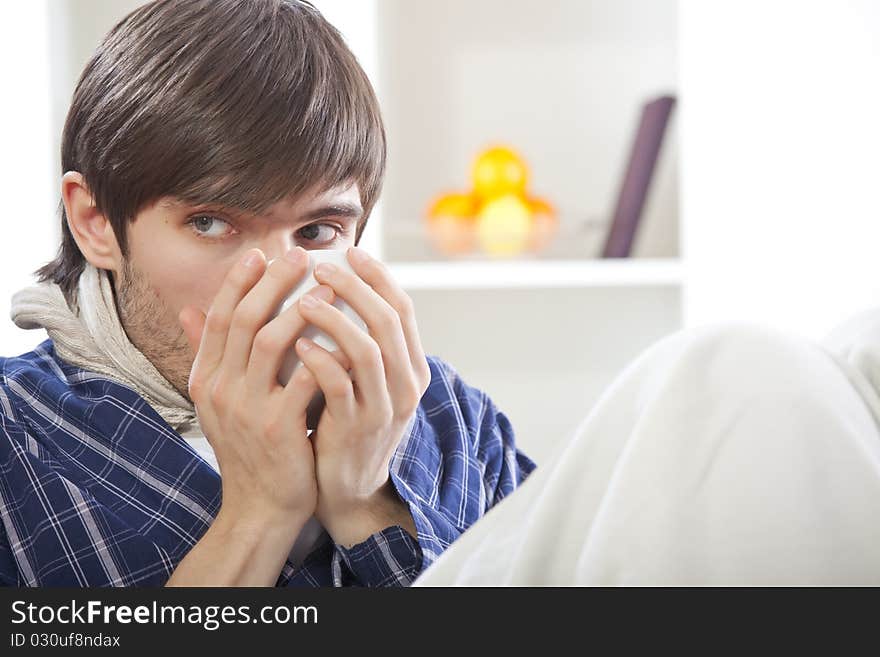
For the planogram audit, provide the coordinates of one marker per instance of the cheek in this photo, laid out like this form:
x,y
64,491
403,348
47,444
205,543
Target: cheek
x,y
180,271
191,284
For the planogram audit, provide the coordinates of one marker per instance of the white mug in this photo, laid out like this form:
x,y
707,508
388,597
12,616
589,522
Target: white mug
x,y
291,360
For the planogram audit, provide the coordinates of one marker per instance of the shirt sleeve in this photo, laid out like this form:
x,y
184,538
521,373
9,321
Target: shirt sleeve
x,y
390,557
8,569
9,575
506,466
460,460
54,533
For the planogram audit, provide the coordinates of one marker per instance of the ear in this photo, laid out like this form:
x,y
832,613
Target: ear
x,y
91,229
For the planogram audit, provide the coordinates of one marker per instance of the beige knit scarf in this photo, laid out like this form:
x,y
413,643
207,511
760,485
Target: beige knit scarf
x,y
93,338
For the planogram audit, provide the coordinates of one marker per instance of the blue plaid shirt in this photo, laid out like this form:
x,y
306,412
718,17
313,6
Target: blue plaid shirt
x,y
96,489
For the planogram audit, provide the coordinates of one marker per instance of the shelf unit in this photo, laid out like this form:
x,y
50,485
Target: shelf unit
x,y
542,334
537,274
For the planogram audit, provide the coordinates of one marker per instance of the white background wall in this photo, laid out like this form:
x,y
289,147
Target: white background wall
x,y
45,44
781,160
28,235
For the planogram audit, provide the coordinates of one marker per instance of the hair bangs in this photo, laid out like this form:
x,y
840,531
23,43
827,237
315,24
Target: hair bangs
x,y
295,115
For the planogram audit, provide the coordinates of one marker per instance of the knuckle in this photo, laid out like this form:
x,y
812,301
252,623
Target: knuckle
x,y
273,428
196,389
338,388
409,402
414,397
424,378
291,320
239,279
216,321
267,342
302,375
341,358
217,393
370,355
240,416
244,318
391,320
405,306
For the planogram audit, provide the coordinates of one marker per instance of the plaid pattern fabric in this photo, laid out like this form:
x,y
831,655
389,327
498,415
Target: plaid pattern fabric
x,y
97,490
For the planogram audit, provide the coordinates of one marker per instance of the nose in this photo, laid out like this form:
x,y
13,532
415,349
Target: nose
x,y
277,245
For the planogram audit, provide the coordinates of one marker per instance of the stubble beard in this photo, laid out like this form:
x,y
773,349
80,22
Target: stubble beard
x,y
153,328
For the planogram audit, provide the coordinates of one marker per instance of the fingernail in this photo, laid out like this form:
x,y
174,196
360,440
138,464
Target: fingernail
x,y
304,344
325,269
358,255
251,259
308,301
322,292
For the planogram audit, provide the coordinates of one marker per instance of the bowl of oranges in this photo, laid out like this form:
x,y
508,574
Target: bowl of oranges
x,y
497,216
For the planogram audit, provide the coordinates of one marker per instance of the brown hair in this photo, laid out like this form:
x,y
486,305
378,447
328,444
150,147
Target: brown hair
x,y
237,103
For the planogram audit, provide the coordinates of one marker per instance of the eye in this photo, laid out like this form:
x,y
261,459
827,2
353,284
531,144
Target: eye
x,y
204,225
312,233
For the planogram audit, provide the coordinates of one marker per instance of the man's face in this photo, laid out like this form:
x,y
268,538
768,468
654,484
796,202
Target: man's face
x,y
180,254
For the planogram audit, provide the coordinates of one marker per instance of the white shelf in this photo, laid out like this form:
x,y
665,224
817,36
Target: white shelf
x,y
537,273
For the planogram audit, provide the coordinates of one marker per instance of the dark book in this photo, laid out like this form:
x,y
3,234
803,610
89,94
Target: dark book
x,y
637,179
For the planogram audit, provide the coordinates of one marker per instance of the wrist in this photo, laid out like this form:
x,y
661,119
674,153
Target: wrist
x,y
239,550
263,526
356,521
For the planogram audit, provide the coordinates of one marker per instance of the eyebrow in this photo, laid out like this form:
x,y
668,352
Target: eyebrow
x,y
343,210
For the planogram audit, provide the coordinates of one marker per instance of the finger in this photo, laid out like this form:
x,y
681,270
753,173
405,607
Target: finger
x,y
384,326
377,276
192,321
274,341
364,352
331,376
296,396
240,279
258,305
343,360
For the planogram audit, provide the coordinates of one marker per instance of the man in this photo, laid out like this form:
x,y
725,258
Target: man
x,y
207,143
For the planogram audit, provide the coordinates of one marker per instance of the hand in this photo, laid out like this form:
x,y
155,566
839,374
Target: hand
x,y
256,427
365,414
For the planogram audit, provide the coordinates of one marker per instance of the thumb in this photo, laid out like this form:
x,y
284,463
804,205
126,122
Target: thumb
x,y
192,320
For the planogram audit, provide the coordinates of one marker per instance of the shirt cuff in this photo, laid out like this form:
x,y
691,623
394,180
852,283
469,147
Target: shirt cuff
x,y
390,557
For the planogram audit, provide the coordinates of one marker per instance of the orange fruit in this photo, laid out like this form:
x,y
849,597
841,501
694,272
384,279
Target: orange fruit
x,y
462,206
544,229
541,206
504,225
498,171
451,235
